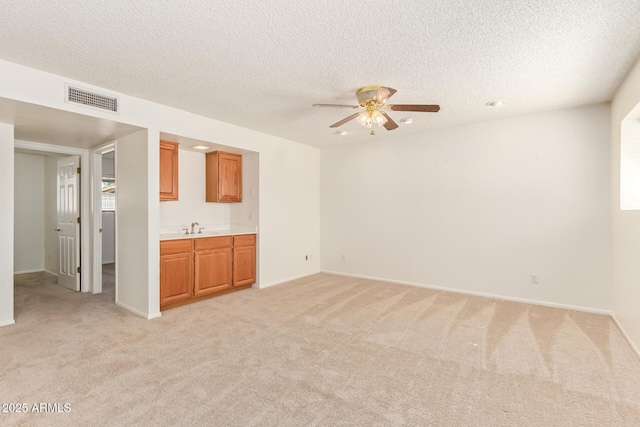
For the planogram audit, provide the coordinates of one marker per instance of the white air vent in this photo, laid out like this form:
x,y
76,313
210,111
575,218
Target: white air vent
x,y
91,99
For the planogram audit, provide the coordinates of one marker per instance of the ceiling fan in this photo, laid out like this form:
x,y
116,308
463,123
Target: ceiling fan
x,y
372,103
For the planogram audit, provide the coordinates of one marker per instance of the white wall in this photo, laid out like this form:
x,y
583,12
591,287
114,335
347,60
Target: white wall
x,y
246,213
191,205
29,216
6,225
51,256
625,224
108,165
108,237
289,213
478,208
137,233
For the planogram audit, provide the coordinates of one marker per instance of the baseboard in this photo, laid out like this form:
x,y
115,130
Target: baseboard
x,y
479,294
8,323
279,282
42,270
29,271
625,335
138,312
154,315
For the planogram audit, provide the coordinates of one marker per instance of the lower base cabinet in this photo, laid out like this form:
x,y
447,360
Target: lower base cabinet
x,y
176,271
213,263
244,260
195,269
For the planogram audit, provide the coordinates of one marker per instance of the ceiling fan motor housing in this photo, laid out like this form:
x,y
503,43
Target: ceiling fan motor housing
x,y
367,93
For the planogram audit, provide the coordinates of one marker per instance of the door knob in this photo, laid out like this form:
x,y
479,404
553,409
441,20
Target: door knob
x,y
58,229
100,230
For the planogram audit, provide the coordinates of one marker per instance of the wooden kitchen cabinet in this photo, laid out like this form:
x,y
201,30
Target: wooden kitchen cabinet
x,y
168,170
193,269
244,260
224,177
212,265
176,271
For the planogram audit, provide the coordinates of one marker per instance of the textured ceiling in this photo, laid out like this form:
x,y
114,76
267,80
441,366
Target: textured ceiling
x,y
262,64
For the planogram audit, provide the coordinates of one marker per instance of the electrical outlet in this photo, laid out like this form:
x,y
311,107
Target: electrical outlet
x,y
306,257
534,279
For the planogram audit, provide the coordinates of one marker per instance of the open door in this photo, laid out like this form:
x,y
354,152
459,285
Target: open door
x,y
69,222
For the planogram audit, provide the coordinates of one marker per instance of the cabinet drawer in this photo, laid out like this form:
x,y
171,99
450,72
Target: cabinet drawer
x,y
244,240
212,242
168,247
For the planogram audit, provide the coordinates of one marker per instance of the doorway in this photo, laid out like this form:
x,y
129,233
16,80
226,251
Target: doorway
x,y
37,170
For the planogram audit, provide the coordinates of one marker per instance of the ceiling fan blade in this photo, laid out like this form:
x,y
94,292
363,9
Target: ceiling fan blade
x,y
335,105
343,121
383,94
420,108
390,125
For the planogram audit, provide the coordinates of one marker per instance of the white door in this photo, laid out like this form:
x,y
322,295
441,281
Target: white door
x,y
68,222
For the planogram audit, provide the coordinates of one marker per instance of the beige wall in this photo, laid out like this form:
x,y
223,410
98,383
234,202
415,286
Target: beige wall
x,y
478,208
6,225
29,219
625,224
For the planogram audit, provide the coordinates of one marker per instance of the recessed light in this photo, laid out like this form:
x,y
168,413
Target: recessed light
x,y
200,147
495,103
341,132
406,120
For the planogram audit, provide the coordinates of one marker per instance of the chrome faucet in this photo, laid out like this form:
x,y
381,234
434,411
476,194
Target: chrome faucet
x,y
193,224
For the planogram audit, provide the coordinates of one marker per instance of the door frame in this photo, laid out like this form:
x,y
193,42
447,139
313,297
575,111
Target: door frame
x,y
86,263
96,223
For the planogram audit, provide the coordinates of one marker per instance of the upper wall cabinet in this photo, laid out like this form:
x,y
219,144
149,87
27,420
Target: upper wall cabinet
x,y
168,170
224,177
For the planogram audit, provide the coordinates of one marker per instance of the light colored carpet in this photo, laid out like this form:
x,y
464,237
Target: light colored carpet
x,y
324,350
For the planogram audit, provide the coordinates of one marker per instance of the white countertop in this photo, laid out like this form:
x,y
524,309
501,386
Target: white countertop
x,y
234,231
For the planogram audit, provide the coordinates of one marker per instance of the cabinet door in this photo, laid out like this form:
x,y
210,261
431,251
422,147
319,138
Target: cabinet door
x,y
212,271
175,277
244,265
230,177
224,177
168,171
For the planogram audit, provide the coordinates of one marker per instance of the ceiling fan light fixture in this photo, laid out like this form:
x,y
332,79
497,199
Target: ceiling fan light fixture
x,y
378,118
364,119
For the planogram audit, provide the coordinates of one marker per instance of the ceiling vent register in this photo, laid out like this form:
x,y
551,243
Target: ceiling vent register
x,y
92,99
